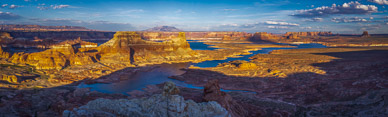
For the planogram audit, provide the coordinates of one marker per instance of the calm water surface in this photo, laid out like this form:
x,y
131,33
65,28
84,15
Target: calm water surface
x,y
161,72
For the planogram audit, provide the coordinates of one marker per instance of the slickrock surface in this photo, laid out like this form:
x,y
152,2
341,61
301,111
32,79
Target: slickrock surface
x,y
50,102
167,104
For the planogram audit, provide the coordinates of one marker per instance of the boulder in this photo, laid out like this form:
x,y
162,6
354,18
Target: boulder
x,y
212,92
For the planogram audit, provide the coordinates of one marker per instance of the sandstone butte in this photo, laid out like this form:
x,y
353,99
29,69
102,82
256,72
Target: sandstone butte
x,y
124,48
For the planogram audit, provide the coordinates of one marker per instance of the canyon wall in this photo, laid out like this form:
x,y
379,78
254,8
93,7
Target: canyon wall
x,y
58,57
125,48
264,36
309,33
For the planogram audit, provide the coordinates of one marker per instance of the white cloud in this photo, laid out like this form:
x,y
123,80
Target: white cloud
x,y
278,27
349,20
314,20
381,2
59,6
4,5
14,6
346,8
280,23
44,7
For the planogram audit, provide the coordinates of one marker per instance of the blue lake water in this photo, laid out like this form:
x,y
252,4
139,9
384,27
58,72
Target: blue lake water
x,y
160,73
214,63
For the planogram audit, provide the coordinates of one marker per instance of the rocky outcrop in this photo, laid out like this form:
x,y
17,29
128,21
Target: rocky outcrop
x,y
293,36
3,54
212,92
5,35
167,105
263,36
9,78
130,47
365,34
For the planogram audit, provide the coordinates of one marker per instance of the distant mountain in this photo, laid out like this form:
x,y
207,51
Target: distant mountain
x,y
164,29
22,27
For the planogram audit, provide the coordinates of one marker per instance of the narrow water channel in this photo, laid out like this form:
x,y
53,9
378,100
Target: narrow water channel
x,y
161,72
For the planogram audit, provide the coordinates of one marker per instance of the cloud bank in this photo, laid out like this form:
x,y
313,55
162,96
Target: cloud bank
x,y
381,2
346,8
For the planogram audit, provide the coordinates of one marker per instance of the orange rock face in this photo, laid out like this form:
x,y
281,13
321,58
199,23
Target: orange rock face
x,y
308,33
130,47
3,54
58,57
365,34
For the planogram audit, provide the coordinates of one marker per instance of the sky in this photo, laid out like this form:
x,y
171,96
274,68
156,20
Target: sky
x,y
275,16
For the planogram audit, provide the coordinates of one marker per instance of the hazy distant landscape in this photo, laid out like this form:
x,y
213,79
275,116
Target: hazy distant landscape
x,y
251,58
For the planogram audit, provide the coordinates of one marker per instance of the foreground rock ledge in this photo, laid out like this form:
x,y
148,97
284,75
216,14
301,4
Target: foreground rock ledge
x,y
159,105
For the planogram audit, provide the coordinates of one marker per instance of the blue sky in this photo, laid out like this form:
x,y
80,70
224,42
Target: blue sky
x,y
276,16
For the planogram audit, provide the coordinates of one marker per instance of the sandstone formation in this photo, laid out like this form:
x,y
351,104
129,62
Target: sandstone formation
x,y
263,36
365,34
3,54
170,105
5,35
309,33
58,57
129,47
125,48
293,36
9,78
212,92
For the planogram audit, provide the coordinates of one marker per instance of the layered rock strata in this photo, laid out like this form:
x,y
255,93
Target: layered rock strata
x,y
58,57
130,47
3,54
